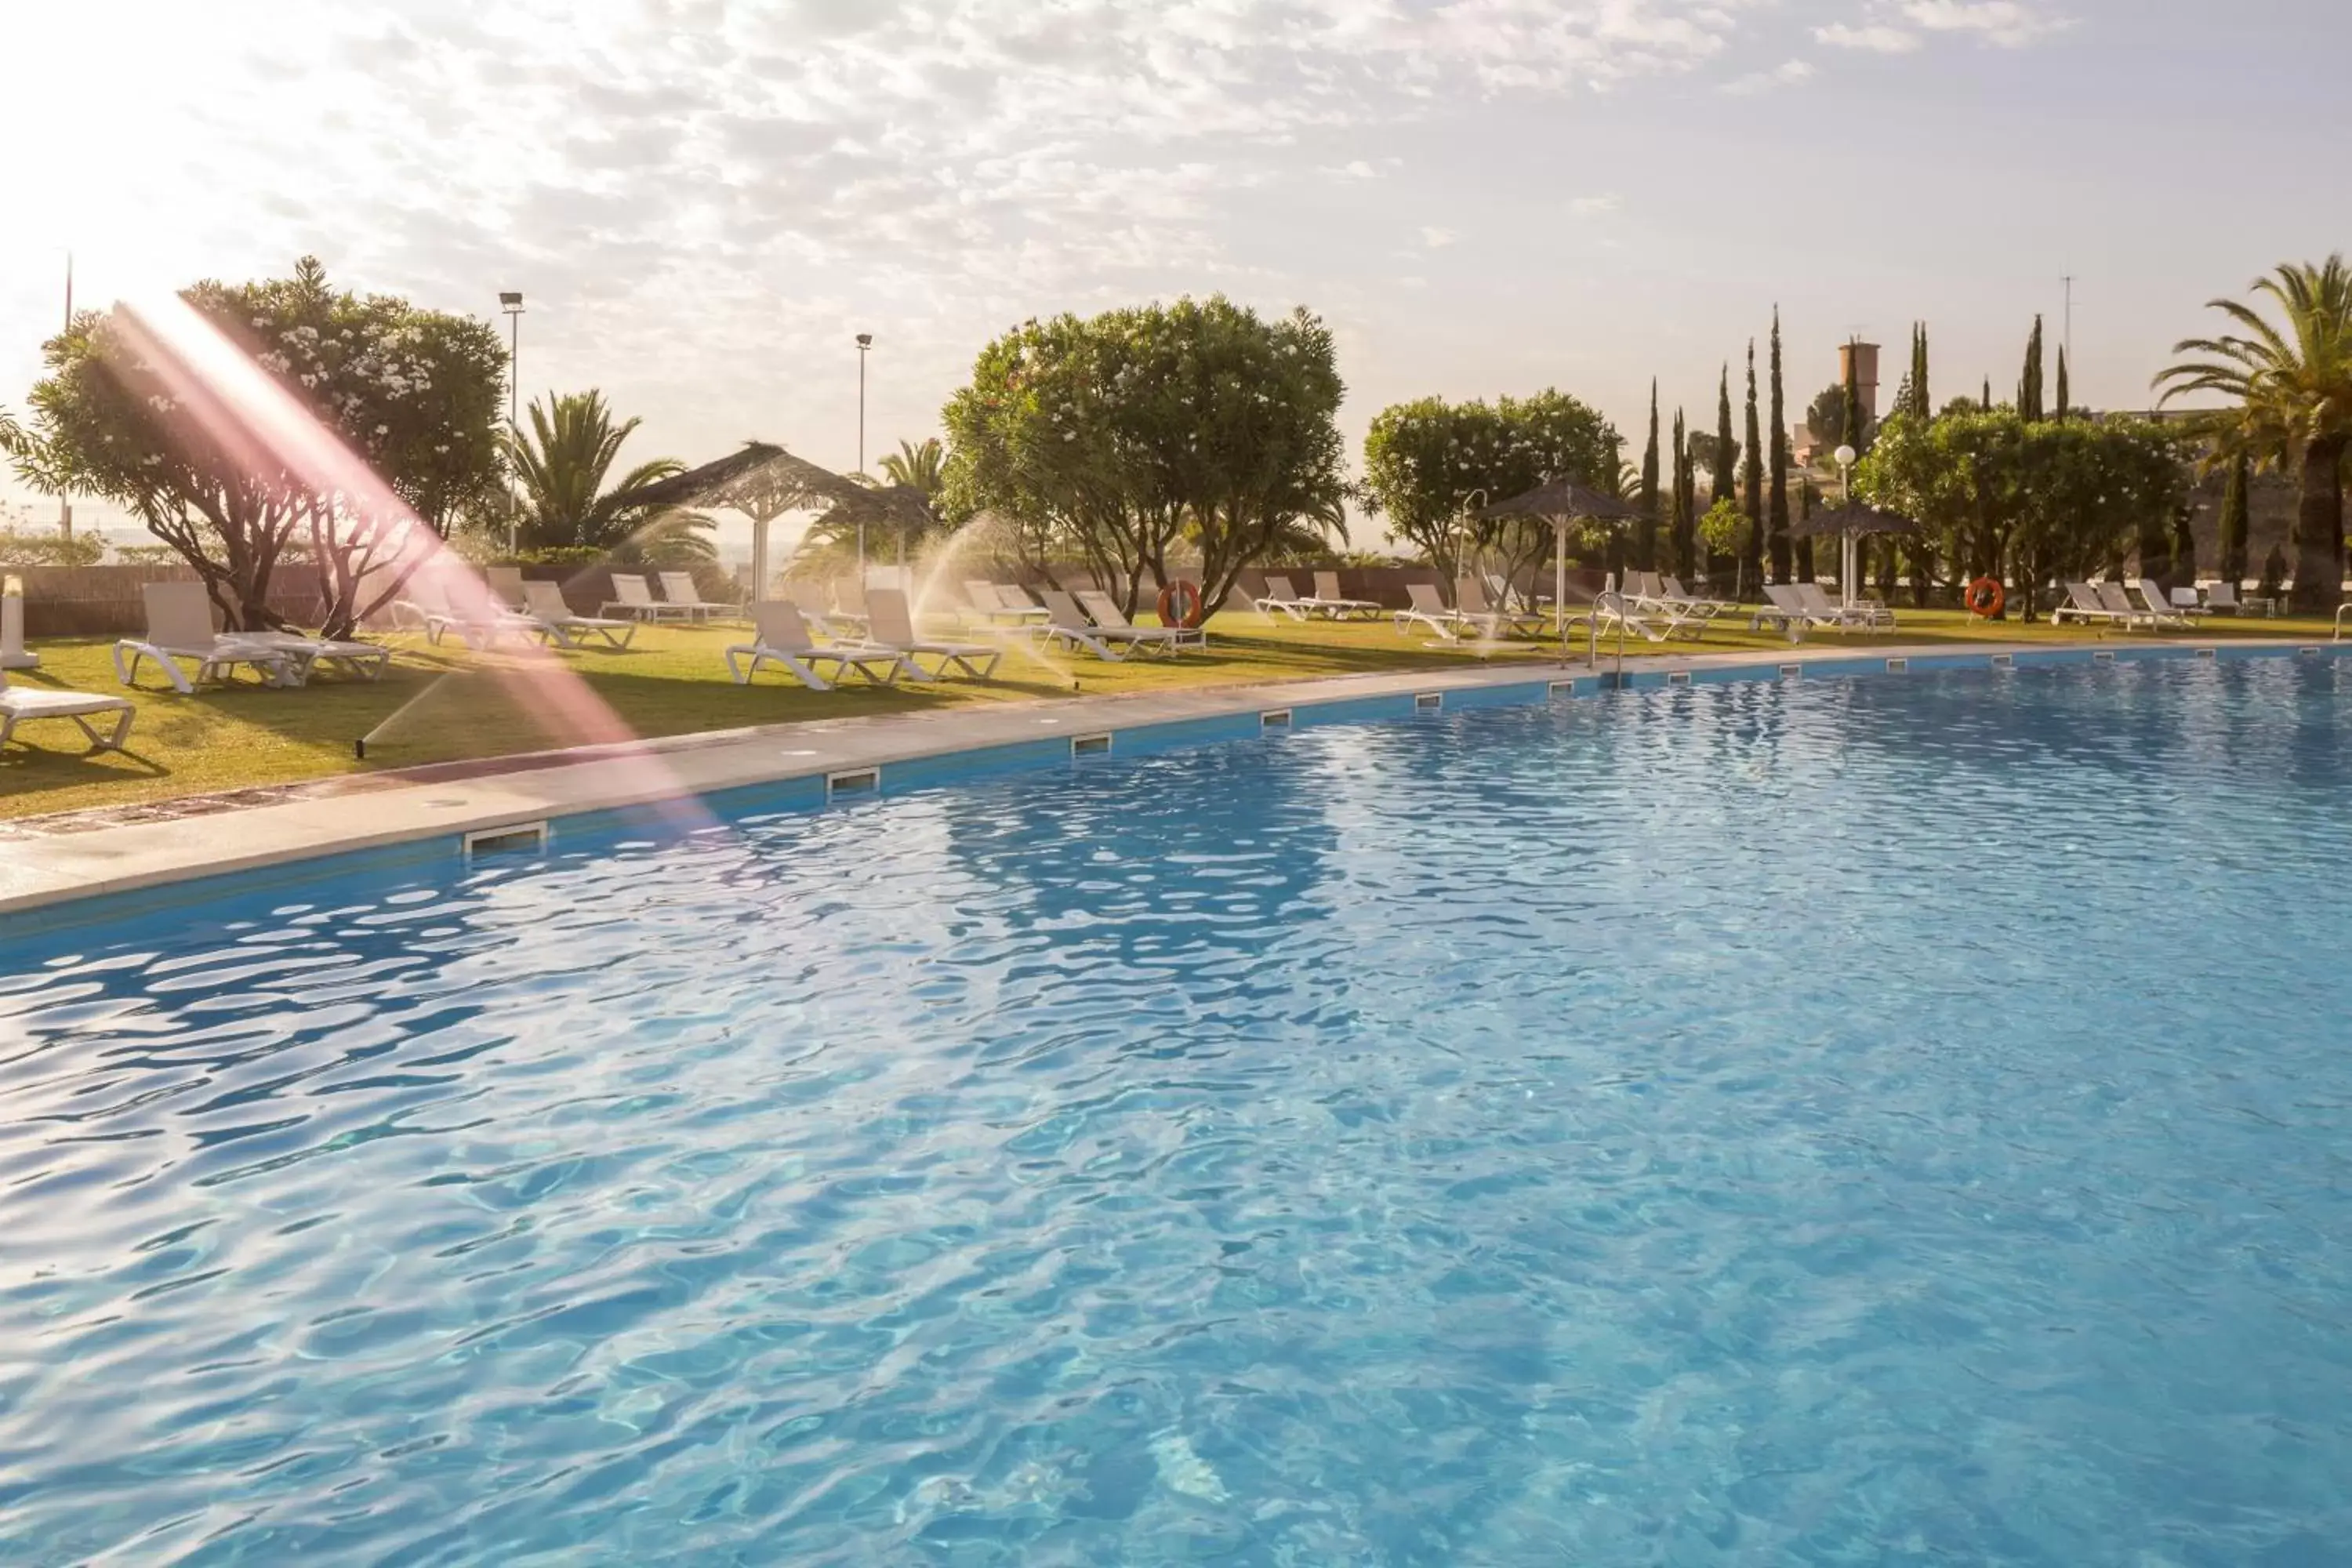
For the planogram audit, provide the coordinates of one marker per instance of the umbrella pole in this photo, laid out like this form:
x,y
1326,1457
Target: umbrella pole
x,y
1560,585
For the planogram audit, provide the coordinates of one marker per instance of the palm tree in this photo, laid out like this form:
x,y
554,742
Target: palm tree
x,y
922,468
562,464
2293,385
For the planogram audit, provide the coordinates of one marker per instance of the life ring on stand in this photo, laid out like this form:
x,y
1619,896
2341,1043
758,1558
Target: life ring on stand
x,y
1181,604
1985,598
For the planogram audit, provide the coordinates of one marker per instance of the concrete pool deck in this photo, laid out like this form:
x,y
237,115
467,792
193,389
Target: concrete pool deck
x,y
362,812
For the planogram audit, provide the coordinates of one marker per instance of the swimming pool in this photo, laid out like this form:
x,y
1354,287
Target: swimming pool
x,y
1825,1123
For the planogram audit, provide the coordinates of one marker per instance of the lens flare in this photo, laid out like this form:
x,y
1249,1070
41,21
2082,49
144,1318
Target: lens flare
x,y
218,387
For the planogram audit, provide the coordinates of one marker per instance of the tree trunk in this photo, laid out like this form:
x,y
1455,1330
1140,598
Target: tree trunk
x,y
2320,530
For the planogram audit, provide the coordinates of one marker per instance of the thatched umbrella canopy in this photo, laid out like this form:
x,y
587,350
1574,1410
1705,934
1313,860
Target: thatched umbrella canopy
x,y
762,480
1848,521
1854,520
1560,503
765,482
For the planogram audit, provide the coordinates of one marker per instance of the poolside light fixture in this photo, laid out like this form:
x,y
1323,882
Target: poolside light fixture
x,y
1849,557
865,344
511,302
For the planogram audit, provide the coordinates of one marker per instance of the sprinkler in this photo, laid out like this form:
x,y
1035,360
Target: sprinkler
x,y
359,748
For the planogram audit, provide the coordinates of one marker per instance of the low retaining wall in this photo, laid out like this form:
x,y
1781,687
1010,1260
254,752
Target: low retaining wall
x,y
104,600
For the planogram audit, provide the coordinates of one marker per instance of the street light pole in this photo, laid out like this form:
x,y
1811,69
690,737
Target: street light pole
x,y
65,502
1844,456
865,342
511,302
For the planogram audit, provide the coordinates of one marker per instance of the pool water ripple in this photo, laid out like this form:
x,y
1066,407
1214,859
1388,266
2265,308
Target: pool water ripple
x,y
1829,1123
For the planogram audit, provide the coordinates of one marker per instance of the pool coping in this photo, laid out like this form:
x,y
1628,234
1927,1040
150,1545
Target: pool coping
x,y
851,754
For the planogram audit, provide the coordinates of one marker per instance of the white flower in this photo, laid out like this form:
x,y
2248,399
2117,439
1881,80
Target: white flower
x,y
383,429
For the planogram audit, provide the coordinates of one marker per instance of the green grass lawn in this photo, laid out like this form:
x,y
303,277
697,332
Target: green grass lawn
x,y
446,703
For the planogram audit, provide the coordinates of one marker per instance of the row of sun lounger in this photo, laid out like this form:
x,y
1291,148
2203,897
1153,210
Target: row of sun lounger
x,y
2109,603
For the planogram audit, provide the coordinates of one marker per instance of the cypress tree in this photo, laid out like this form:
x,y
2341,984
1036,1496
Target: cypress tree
x,y
1678,532
2029,385
2234,521
1921,551
1645,533
1751,560
1723,482
1776,506
2062,383
1987,403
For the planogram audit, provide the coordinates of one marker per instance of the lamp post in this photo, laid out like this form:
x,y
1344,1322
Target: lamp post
x,y
511,302
865,344
1846,563
65,503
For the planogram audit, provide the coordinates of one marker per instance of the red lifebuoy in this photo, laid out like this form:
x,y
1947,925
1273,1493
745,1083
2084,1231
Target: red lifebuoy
x,y
1985,598
1180,605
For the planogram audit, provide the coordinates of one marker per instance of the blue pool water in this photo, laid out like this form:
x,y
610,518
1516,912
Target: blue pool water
x,y
1838,1123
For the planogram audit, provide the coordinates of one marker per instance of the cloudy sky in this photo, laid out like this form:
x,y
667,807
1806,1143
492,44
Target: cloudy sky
x,y
704,201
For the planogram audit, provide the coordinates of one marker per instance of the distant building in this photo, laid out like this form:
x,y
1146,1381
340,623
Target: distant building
x,y
1858,361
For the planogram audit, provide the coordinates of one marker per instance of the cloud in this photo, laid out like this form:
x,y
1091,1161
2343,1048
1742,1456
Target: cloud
x,y
1877,38
1786,74
703,200
1438,238
2009,23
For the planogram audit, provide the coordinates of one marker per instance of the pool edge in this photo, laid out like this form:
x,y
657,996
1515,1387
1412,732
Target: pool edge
x,y
427,819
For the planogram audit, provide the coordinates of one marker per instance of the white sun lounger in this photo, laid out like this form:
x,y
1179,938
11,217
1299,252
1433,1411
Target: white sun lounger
x,y
1426,608
635,597
179,625
428,600
20,704
780,634
1610,611
994,605
2116,600
1066,624
1470,600
506,582
893,625
1103,611
1862,616
1328,600
1516,601
2161,611
816,607
1785,609
543,603
1671,589
2083,605
1280,595
679,593
366,660
2221,598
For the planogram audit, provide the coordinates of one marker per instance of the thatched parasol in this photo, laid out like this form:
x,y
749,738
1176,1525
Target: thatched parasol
x,y
1560,503
1854,520
765,482
1564,500
1851,520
